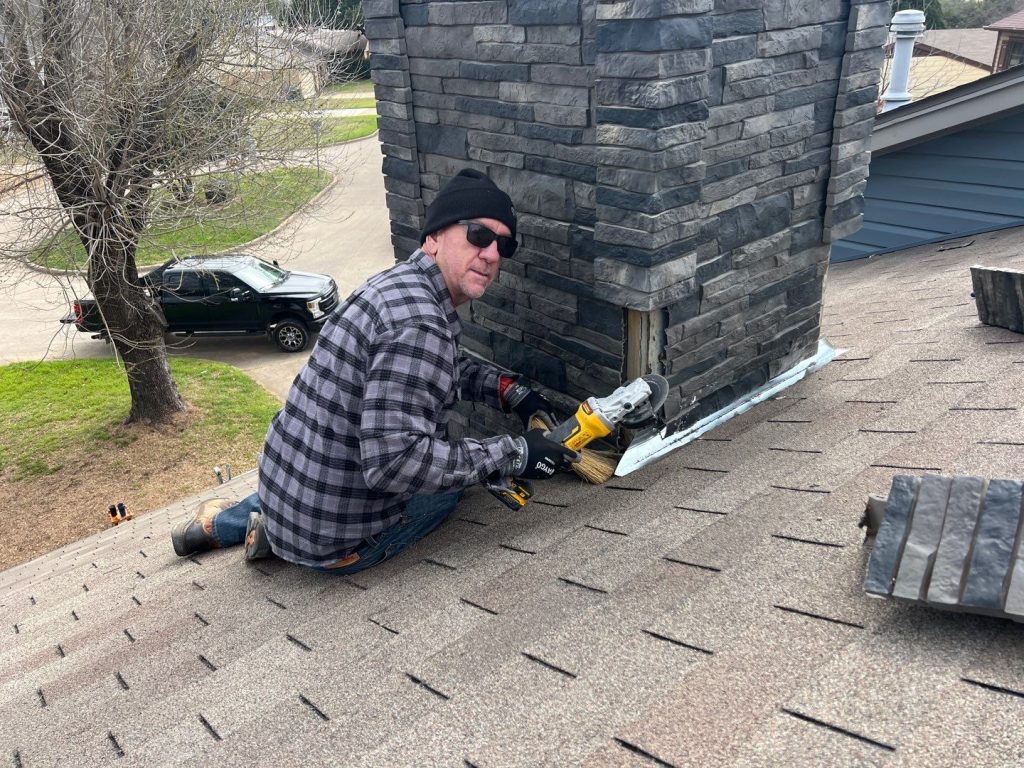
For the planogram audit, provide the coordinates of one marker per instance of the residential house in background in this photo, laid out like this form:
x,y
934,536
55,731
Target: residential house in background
x,y
947,166
944,59
1010,42
341,52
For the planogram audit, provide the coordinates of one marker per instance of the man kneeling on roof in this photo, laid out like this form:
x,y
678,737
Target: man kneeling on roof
x,y
357,465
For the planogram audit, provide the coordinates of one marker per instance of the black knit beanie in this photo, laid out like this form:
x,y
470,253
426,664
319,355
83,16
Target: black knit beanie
x,y
469,195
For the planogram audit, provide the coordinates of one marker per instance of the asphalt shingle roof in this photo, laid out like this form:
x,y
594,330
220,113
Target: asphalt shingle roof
x,y
706,610
1014,21
976,45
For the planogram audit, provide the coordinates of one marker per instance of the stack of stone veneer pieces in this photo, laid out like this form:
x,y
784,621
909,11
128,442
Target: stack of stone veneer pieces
x,y
951,542
680,168
999,296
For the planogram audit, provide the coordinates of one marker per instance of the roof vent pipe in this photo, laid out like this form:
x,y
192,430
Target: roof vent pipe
x,y
908,26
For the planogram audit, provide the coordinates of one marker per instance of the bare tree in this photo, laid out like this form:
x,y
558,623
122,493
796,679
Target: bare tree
x,y
934,69
124,105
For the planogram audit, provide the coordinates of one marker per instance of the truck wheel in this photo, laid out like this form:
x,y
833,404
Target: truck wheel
x,y
291,335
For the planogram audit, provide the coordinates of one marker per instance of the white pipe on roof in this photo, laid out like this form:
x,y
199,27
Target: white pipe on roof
x,y
908,26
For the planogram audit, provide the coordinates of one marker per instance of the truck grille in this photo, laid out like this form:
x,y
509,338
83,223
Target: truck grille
x,y
330,300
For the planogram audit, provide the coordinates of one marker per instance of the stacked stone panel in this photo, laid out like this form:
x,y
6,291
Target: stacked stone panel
x,y
999,296
952,543
679,162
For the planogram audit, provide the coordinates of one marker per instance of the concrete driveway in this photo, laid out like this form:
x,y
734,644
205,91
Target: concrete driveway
x,y
345,234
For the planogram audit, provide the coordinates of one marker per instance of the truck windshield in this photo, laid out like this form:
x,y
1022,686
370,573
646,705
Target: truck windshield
x,y
259,275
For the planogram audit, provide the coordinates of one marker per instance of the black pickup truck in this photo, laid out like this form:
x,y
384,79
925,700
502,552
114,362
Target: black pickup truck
x,y
230,294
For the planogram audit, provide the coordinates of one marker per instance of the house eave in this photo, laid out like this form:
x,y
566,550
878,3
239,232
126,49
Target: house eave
x,y
978,102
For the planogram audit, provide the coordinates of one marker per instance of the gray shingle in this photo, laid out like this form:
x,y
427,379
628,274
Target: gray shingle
x,y
801,662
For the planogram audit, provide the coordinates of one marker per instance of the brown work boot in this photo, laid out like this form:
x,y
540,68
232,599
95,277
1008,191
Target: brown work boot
x,y
196,533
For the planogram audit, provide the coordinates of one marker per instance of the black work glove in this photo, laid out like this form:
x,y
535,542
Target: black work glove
x,y
539,457
526,402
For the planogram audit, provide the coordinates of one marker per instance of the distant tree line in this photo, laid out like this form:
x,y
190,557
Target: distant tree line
x,y
960,14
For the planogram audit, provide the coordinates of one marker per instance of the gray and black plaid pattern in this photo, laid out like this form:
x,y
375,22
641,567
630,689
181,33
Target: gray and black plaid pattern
x,y
365,424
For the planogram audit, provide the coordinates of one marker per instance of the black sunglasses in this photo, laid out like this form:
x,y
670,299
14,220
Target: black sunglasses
x,y
480,236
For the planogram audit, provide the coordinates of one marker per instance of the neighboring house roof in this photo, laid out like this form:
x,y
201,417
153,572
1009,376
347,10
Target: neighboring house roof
x,y
980,101
975,46
946,58
1013,22
706,610
937,72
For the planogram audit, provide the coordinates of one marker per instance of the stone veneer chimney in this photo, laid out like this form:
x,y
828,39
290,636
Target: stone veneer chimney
x,y
680,168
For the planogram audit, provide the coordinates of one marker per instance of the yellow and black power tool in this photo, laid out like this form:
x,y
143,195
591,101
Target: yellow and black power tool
x,y
635,405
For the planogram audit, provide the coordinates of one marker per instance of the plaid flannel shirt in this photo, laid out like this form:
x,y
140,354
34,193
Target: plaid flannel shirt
x,y
364,427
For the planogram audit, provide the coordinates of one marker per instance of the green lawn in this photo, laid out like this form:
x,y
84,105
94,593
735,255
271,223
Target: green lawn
x,y
355,86
54,413
258,205
337,130
345,103
292,129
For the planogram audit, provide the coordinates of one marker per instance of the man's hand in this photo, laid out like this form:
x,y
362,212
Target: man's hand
x,y
539,457
526,402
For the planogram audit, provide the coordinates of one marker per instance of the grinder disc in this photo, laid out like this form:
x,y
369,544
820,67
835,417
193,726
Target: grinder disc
x,y
646,413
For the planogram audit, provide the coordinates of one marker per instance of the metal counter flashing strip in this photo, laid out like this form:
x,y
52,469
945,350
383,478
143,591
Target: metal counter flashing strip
x,y
645,450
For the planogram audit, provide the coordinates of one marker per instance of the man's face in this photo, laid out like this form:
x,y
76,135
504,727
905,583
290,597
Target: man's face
x,y
467,269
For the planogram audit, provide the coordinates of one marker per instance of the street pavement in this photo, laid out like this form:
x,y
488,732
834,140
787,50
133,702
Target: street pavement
x,y
345,234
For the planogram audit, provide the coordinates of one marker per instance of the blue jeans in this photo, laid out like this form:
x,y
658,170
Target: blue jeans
x,y
422,514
